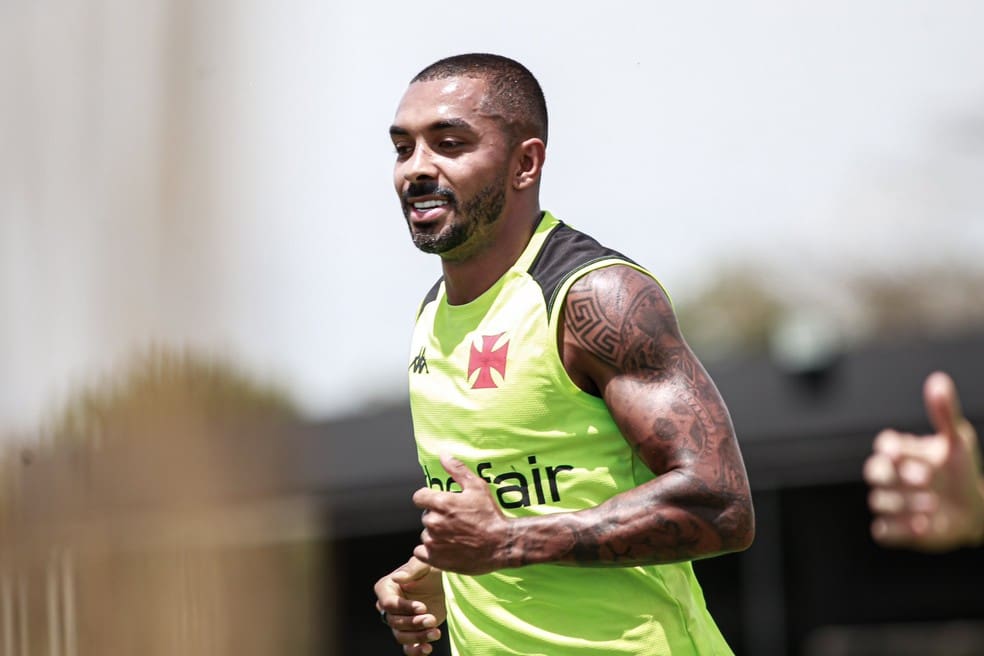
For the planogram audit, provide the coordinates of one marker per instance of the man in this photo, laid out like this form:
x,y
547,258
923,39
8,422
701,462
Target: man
x,y
576,455
927,492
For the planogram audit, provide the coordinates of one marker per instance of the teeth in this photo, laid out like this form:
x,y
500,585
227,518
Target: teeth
x,y
427,204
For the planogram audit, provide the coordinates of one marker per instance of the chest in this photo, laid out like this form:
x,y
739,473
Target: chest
x,y
496,358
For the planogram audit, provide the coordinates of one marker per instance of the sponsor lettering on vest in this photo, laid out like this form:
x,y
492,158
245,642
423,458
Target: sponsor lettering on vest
x,y
511,488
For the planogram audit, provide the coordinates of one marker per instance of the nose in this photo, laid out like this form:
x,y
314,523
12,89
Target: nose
x,y
420,165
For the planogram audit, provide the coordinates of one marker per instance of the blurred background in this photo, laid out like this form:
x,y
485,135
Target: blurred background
x,y
206,293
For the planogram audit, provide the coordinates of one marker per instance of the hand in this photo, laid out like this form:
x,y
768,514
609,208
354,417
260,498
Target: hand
x,y
413,598
927,492
462,530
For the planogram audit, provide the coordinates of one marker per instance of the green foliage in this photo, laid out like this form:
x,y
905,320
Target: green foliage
x,y
921,302
743,308
736,313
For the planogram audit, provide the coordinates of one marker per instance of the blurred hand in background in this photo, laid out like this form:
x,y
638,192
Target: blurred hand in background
x,y
927,491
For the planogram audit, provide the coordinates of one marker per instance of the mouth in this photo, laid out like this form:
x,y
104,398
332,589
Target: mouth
x,y
426,205
424,210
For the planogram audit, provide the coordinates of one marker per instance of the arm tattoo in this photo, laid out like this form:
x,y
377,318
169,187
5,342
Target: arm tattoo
x,y
672,414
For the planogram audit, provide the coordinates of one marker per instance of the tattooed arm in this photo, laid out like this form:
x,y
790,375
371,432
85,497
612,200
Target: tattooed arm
x,y
619,340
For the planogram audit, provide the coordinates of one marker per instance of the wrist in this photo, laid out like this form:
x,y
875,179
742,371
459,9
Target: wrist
x,y
508,555
533,541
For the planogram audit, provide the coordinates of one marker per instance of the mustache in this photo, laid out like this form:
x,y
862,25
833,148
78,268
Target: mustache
x,y
417,189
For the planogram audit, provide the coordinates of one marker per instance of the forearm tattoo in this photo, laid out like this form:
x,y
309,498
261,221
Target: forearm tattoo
x,y
673,416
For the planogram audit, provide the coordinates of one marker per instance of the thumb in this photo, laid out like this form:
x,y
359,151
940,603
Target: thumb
x,y
943,405
414,570
460,472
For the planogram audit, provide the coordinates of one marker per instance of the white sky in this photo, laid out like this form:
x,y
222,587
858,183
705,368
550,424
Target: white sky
x,y
807,135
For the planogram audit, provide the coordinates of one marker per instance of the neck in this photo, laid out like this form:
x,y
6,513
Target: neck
x,y
465,280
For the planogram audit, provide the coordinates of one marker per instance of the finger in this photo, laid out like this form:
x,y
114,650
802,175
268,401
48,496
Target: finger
x,y
879,470
895,502
425,542
888,442
926,503
894,531
410,638
897,446
389,597
914,472
418,625
880,529
420,622
422,552
427,499
942,404
463,476
402,608
886,502
399,607
392,600
419,649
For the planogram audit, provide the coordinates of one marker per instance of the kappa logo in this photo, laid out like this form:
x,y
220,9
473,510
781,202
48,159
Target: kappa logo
x,y
485,359
419,364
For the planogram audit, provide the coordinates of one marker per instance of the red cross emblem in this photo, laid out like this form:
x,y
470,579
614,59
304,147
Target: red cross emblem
x,y
486,359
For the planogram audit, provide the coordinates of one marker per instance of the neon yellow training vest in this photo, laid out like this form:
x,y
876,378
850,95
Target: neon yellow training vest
x,y
487,386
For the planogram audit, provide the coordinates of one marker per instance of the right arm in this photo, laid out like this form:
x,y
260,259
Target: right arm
x,y
621,340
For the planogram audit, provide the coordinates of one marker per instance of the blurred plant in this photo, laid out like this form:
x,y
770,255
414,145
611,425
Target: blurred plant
x,y
154,516
927,302
173,428
165,393
741,311
735,313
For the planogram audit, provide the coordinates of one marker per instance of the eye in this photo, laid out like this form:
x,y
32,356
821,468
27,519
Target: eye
x,y
402,150
450,144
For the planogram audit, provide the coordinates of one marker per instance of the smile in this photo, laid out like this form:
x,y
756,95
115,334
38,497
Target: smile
x,y
428,204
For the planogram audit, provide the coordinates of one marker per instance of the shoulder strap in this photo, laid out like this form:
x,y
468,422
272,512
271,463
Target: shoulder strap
x,y
431,295
566,253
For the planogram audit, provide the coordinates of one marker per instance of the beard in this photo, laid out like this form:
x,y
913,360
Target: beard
x,y
470,217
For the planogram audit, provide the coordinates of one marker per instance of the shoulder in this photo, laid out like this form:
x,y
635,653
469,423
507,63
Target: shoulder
x,y
619,315
619,279
621,294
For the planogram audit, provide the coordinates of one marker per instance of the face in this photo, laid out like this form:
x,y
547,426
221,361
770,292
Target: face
x,y
451,166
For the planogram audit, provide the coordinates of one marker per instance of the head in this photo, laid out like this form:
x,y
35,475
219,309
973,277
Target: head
x,y
470,135
512,93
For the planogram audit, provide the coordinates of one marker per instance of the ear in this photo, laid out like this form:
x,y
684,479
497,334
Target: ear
x,y
529,163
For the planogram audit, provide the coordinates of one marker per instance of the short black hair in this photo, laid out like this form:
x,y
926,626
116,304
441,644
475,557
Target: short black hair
x,y
513,92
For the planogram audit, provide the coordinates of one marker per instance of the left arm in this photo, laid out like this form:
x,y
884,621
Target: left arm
x,y
619,339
